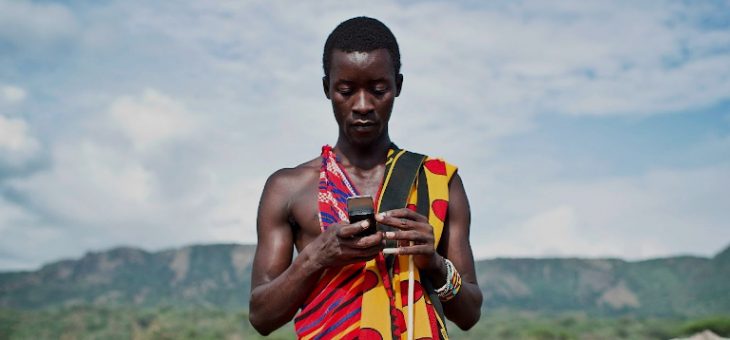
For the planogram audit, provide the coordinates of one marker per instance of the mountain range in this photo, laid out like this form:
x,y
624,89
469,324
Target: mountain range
x,y
219,275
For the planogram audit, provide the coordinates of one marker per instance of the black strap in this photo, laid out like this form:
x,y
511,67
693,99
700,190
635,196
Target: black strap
x,y
403,171
395,194
407,168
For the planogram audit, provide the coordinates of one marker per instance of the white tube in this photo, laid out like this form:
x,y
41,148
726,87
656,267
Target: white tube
x,y
410,296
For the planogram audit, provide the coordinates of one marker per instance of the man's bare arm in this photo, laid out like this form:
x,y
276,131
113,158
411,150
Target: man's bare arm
x,y
278,286
464,309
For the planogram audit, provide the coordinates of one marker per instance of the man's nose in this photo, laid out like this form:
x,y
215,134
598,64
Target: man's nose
x,y
363,103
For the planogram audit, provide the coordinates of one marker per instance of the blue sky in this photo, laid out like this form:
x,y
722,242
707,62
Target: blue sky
x,y
580,129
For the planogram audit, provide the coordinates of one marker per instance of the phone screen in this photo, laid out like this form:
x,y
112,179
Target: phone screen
x,y
362,208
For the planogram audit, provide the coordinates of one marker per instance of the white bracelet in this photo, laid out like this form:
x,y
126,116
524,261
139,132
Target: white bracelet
x,y
447,287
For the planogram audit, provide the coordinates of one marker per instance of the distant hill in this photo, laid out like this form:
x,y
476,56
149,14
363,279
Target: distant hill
x,y
688,286
219,275
216,275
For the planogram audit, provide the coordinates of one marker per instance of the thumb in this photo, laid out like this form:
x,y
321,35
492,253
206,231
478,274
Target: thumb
x,y
351,230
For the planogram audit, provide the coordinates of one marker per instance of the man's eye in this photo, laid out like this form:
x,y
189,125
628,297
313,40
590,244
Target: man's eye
x,y
380,90
344,91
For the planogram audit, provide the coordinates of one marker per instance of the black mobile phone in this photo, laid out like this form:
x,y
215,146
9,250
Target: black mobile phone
x,y
362,208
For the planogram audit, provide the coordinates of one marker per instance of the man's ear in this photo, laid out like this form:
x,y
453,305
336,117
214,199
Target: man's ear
x,y
398,84
326,86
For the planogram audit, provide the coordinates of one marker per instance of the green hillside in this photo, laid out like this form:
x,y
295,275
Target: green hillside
x,y
218,276
205,275
689,286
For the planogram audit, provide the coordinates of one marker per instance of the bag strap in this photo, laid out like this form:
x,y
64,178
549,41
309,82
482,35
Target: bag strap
x,y
400,174
402,170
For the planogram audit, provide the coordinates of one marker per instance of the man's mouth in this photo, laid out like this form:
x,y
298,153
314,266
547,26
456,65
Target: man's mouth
x,y
363,125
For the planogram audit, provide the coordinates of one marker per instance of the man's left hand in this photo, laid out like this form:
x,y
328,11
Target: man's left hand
x,y
413,227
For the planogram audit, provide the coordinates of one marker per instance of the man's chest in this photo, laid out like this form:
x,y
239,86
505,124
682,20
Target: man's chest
x,y
305,212
304,207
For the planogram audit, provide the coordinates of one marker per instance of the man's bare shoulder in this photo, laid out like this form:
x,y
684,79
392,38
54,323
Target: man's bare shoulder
x,y
293,179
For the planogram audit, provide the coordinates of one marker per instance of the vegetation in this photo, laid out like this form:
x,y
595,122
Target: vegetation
x,y
565,326
91,322
219,276
94,322
718,325
201,292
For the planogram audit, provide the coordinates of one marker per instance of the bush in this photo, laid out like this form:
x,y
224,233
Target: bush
x,y
719,325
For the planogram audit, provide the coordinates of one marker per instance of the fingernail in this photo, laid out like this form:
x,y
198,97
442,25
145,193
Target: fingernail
x,y
389,234
364,224
390,251
381,216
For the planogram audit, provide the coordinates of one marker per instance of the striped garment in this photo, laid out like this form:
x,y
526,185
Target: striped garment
x,y
359,301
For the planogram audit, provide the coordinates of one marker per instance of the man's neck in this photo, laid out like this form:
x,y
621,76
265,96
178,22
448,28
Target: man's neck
x,y
363,157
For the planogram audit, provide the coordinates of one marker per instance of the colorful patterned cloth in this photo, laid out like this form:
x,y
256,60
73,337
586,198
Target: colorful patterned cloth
x,y
360,301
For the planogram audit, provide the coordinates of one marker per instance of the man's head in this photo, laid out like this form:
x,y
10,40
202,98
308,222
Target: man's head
x,y
362,78
361,34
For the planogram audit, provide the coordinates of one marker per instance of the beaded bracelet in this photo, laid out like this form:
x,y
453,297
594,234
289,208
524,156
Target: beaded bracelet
x,y
453,283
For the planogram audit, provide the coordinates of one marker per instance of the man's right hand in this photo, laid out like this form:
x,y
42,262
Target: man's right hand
x,y
338,246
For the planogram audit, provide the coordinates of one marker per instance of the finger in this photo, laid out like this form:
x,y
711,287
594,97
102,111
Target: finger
x,y
404,223
370,241
409,235
362,253
404,213
420,249
396,222
350,230
365,258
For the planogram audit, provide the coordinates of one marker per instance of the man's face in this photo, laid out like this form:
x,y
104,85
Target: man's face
x,y
362,87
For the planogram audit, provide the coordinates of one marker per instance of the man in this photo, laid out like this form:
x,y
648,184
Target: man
x,y
346,285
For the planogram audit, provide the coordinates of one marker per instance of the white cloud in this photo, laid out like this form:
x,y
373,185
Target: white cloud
x,y
90,184
16,144
14,135
8,214
554,232
150,119
230,217
648,215
28,239
137,190
12,94
35,27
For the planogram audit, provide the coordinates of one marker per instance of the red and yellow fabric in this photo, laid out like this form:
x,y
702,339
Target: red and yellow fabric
x,y
363,300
